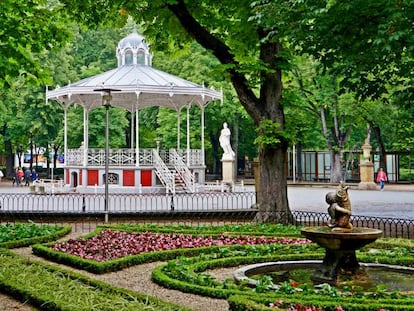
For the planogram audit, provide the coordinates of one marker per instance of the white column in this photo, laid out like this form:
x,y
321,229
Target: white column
x,y
188,135
202,136
85,136
85,147
137,137
65,137
137,130
132,141
178,130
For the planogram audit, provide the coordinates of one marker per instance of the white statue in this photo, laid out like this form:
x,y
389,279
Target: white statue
x,y
225,142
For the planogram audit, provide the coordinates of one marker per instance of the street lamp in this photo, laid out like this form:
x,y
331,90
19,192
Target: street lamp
x,y
106,102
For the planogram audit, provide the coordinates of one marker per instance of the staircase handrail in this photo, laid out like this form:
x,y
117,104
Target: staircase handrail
x,y
182,169
163,172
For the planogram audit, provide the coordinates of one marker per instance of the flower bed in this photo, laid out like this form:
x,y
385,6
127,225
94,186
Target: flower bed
x,y
110,244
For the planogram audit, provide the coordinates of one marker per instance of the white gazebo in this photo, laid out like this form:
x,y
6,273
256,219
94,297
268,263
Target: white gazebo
x,y
135,84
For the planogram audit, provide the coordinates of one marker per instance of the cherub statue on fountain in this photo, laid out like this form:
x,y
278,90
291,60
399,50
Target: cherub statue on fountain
x,y
339,209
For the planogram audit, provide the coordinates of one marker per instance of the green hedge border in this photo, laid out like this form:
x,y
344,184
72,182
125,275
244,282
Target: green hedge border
x,y
38,239
51,302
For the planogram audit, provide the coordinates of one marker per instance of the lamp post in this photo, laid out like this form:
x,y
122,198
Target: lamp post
x,y
51,153
106,102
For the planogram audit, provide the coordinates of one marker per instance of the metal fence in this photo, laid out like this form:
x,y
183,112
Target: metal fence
x,y
391,227
85,211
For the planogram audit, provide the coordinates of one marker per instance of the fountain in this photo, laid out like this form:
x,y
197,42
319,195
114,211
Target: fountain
x,y
339,239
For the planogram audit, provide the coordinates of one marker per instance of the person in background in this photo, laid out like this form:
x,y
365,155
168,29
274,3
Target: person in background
x,y
381,178
27,177
34,175
1,175
20,176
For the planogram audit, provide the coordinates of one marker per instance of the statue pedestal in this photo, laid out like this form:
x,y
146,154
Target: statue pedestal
x,y
367,176
229,175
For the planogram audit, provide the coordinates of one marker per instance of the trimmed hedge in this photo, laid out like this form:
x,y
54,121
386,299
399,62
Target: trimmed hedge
x,y
51,236
52,288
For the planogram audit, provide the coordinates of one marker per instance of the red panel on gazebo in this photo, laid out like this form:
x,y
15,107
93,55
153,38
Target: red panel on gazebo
x,y
67,177
146,178
92,177
129,178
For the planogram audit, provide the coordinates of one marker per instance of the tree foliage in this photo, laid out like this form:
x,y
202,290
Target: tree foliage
x,y
27,29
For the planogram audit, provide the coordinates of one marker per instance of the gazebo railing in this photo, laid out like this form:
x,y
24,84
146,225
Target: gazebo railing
x,y
127,157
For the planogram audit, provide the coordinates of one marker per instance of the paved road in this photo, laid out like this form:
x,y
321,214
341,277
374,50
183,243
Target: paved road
x,y
397,201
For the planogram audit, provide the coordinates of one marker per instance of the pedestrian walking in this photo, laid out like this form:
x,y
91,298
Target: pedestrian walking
x,y
381,178
27,177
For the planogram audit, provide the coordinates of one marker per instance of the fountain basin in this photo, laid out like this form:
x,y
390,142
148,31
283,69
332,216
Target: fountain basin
x,y
337,240
393,277
340,247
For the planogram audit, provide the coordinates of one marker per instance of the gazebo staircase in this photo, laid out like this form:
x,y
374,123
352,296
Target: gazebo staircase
x,y
177,179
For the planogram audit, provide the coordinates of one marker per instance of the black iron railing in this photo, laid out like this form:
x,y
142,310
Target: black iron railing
x,y
85,211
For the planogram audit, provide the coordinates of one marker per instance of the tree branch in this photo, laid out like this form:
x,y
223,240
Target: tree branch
x,y
222,52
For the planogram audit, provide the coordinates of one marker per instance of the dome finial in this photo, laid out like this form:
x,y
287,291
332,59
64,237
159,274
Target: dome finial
x,y
133,50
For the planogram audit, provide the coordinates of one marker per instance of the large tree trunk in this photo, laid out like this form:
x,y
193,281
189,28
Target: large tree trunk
x,y
336,168
8,148
273,187
267,106
299,169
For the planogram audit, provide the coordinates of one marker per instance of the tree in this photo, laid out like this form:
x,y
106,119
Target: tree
x,y
369,43
363,41
253,41
334,107
248,52
27,29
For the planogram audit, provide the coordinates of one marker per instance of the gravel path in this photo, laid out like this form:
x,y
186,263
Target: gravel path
x,y
137,278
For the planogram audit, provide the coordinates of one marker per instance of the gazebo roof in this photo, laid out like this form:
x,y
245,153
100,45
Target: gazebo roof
x,y
137,84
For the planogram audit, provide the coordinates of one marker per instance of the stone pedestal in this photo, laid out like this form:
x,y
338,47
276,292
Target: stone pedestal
x,y
229,172
367,176
366,169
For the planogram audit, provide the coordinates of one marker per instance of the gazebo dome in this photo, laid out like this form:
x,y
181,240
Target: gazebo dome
x,y
133,50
